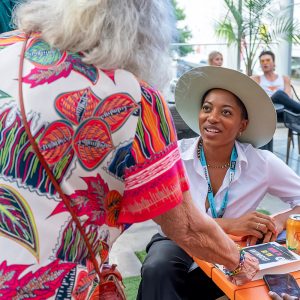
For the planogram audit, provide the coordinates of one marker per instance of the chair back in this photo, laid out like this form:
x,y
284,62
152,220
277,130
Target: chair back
x,y
183,130
295,95
291,120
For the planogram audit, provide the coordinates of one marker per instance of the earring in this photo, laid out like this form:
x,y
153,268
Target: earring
x,y
240,133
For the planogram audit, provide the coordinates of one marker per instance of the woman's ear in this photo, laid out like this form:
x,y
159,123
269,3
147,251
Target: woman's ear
x,y
244,125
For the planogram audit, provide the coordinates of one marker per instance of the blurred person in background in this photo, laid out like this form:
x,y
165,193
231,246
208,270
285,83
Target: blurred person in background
x,y
89,78
215,58
278,87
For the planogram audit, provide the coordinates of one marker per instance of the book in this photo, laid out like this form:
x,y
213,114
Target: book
x,y
273,259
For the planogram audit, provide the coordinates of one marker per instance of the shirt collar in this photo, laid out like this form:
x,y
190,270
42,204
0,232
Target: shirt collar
x,y
240,148
188,150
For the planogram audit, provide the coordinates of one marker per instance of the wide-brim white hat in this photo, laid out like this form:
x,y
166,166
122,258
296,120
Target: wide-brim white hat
x,y
193,84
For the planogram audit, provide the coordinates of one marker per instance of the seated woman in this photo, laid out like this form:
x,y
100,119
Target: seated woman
x,y
215,58
228,175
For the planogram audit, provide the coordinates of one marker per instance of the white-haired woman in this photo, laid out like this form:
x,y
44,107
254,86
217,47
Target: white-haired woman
x,y
105,135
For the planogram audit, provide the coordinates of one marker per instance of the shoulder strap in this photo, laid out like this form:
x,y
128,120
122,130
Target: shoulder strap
x,y
45,165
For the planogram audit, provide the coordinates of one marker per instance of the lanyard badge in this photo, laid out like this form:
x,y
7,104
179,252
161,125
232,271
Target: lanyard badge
x,y
210,195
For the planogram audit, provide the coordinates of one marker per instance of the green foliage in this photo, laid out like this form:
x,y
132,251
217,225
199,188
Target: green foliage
x,y
132,283
141,255
256,23
179,12
131,287
184,34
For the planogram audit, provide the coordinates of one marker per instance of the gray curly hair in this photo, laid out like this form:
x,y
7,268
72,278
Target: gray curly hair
x,y
131,34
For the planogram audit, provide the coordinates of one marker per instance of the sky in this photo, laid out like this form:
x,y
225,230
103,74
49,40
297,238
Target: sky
x,y
201,17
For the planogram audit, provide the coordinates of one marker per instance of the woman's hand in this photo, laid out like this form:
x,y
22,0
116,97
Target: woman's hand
x,y
254,224
269,236
248,271
274,296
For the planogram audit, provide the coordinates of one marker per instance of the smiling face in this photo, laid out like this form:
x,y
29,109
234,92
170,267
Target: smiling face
x,y
221,118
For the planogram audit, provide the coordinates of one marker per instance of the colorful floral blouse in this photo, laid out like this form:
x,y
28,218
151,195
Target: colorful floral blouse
x,y
109,140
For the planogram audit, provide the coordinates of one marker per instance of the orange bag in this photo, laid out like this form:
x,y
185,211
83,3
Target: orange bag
x,y
111,286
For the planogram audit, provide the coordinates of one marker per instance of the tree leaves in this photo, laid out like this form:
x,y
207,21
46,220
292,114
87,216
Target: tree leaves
x,y
253,23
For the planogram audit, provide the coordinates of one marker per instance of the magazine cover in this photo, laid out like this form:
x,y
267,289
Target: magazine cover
x,y
271,253
273,259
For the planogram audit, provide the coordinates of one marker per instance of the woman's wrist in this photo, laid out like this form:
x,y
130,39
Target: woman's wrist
x,y
226,224
238,269
248,270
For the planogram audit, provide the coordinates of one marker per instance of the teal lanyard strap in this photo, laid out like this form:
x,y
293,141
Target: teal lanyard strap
x,y
210,194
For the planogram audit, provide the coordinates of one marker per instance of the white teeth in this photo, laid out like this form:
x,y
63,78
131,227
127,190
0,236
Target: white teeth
x,y
212,130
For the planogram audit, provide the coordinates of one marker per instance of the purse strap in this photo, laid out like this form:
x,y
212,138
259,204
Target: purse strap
x,y
45,165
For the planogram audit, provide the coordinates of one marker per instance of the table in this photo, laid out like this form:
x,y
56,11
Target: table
x,y
256,290
259,291
279,109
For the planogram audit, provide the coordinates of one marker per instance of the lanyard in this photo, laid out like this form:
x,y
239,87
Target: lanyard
x,y
210,194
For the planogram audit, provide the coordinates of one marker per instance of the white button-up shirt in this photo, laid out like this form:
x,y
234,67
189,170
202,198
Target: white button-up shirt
x,y
257,172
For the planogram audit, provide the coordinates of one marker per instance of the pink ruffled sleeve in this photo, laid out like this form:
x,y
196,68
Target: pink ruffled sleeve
x,y
155,182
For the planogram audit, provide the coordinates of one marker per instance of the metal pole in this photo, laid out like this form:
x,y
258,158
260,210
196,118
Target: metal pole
x,y
239,38
285,48
291,9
